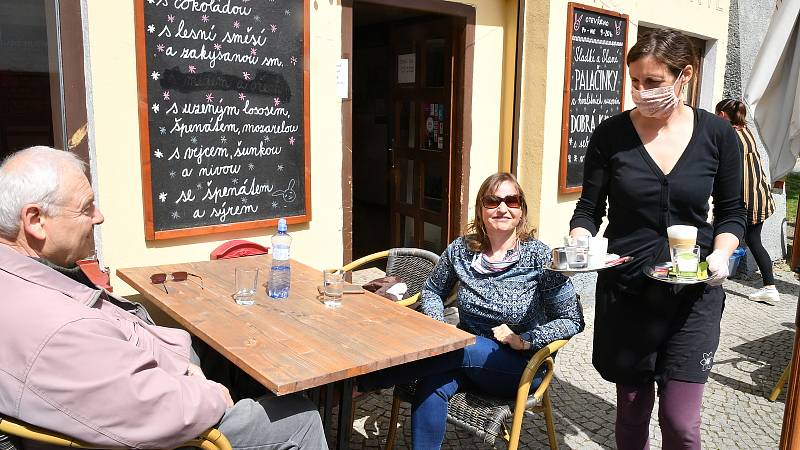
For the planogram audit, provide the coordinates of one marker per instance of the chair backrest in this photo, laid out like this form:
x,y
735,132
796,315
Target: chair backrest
x,y
413,265
212,439
237,248
101,278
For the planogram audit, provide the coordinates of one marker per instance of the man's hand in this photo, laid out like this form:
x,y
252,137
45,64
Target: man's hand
x,y
717,267
504,335
226,394
194,371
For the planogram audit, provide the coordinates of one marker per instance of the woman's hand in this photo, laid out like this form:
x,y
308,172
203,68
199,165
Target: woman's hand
x,y
504,335
579,231
717,267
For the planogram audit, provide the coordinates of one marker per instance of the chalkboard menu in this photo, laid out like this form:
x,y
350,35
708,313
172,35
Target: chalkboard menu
x,y
594,79
223,114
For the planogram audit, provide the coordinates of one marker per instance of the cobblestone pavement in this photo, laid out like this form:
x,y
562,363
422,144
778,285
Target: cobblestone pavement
x,y
754,349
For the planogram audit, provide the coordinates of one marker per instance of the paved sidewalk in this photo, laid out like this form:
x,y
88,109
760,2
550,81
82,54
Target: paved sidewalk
x,y
754,349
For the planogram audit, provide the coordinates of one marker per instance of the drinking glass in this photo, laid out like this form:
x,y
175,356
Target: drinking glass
x,y
576,257
246,282
685,260
332,282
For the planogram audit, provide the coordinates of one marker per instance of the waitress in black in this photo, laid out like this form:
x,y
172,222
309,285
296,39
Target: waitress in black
x,y
657,165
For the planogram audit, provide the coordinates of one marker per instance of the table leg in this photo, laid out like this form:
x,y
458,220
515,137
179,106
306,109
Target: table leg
x,y
327,411
345,415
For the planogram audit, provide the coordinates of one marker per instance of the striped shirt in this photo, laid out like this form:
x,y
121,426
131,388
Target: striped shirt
x,y
756,191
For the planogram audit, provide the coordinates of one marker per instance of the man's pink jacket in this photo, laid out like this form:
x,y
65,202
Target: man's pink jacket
x,y
74,363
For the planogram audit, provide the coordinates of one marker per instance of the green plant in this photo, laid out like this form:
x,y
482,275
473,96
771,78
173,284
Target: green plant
x,y
792,192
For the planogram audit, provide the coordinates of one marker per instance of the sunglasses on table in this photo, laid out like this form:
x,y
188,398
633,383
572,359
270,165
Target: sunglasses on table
x,y
493,201
161,278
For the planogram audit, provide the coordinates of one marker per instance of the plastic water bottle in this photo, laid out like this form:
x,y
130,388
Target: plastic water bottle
x,y
280,273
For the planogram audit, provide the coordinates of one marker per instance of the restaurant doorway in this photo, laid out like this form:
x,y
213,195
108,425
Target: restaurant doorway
x,y
407,127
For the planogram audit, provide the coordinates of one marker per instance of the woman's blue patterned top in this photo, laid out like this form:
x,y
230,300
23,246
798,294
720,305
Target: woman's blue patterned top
x,y
538,304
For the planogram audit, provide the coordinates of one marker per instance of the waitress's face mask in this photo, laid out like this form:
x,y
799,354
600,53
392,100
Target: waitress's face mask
x,y
658,102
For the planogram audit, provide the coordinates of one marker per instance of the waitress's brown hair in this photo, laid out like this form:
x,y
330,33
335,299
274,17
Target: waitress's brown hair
x,y
476,237
669,47
735,110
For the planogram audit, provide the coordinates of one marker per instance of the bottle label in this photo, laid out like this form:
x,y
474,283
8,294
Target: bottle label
x,y
280,252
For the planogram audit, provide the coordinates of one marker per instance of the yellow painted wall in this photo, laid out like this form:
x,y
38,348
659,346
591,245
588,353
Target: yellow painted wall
x,y
492,91
540,125
112,53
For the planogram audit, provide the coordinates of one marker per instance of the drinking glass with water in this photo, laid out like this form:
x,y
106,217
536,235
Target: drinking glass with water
x,y
332,283
246,283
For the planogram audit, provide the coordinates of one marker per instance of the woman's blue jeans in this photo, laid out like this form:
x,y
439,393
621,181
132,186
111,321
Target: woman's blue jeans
x,y
487,367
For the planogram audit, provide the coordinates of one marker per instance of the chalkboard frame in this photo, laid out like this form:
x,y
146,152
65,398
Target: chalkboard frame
x,y
563,188
150,232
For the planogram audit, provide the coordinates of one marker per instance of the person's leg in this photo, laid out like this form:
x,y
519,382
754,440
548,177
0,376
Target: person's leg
x,y
429,409
679,414
760,254
634,407
495,369
486,367
274,423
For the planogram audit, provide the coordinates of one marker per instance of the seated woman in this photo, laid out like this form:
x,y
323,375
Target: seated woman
x,y
505,298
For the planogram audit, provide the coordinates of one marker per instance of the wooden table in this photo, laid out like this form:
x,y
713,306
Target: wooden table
x,y
297,343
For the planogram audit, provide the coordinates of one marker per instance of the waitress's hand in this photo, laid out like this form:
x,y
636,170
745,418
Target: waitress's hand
x,y
579,231
504,335
717,267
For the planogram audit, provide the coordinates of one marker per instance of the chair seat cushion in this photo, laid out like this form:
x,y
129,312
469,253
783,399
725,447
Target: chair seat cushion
x,y
478,413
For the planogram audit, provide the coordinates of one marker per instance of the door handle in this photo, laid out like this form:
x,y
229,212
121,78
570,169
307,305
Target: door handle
x,y
390,153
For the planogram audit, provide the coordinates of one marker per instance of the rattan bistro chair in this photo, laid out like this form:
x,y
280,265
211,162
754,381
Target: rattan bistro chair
x,y
213,439
413,265
486,416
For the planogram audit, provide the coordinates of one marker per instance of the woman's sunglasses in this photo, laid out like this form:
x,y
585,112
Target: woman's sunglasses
x,y
493,201
161,278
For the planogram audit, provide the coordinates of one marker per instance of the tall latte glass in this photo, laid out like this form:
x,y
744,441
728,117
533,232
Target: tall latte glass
x,y
682,236
684,254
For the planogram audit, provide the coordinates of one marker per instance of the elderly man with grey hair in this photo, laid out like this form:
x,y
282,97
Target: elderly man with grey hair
x,y
79,361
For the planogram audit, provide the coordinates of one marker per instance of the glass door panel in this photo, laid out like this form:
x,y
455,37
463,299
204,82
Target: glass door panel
x,y
433,183
432,238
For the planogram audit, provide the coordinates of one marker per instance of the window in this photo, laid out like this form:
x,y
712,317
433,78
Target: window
x,y
42,86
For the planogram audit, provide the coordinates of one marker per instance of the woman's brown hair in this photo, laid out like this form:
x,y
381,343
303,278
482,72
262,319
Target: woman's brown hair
x,y
735,110
669,47
476,237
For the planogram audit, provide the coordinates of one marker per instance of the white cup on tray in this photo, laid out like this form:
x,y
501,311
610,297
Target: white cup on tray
x,y
598,248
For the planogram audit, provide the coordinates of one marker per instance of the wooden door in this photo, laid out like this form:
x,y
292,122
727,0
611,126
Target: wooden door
x,y
421,150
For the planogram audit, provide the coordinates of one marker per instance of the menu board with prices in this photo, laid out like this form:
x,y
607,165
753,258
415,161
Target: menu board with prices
x,y
223,112
594,82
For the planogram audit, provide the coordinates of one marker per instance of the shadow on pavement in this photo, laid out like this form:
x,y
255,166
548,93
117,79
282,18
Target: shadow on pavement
x,y
579,411
769,355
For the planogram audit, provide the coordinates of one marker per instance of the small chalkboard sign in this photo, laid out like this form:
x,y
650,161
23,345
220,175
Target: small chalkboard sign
x,y
594,79
223,114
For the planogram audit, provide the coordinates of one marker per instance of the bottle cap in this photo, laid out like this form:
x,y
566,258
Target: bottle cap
x,y
282,225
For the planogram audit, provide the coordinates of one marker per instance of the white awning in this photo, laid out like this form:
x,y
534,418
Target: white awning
x,y
773,92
